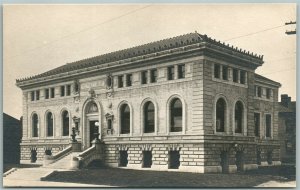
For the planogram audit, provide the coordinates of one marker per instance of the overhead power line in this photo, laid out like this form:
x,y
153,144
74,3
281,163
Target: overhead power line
x,y
83,30
278,71
260,31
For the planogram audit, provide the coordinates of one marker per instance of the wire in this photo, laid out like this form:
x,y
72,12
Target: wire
x,y
278,71
83,30
254,33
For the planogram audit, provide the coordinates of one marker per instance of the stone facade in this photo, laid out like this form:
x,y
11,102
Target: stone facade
x,y
198,146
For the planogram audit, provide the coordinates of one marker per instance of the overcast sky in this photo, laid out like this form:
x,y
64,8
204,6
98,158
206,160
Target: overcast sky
x,y
41,37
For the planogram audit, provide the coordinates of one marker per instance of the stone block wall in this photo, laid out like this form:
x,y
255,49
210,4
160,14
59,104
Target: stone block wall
x,y
40,151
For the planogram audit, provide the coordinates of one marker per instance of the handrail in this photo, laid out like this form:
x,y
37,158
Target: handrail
x,y
60,153
87,151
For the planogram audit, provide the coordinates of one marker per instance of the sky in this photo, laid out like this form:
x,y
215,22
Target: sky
x,y
37,38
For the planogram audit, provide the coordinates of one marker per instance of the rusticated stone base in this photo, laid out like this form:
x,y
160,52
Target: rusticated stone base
x,y
232,169
250,167
212,169
194,169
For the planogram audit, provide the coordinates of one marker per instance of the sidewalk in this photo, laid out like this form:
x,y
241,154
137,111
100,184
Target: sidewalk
x,y
30,183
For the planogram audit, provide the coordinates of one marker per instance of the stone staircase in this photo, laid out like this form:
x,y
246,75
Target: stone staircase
x,y
64,162
30,174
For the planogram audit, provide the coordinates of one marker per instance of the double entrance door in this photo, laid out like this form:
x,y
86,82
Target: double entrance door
x,y
92,129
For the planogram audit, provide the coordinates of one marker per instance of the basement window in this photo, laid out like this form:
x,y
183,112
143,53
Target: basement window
x,y
174,159
123,158
147,159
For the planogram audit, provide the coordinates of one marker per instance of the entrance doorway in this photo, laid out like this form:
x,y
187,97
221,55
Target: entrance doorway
x,y
92,125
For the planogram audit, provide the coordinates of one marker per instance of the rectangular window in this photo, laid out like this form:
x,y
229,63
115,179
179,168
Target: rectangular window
x,y
62,91
144,77
217,71
123,158
242,77
120,81
259,91
268,93
129,80
37,93
256,124
46,93
153,74
68,90
109,124
32,95
171,73
225,73
181,71
235,75
268,125
52,92
174,159
147,159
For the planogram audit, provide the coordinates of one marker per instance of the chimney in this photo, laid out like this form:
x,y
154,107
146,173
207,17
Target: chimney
x,y
285,100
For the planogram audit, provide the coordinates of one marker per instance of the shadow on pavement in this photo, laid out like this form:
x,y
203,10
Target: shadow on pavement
x,y
145,178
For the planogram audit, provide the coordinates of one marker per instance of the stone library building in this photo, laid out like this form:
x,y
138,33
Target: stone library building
x,y
187,103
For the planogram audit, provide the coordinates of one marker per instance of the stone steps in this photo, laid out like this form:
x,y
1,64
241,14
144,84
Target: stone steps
x,y
64,163
31,174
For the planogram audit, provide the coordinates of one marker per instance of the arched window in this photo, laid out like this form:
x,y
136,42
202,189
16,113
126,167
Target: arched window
x,y
49,120
176,115
238,117
149,117
35,124
220,115
65,123
125,119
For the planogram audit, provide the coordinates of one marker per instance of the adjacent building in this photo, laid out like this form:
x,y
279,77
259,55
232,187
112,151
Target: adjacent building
x,y
287,129
12,134
188,103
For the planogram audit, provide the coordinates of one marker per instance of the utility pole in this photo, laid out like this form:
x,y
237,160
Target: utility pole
x,y
291,32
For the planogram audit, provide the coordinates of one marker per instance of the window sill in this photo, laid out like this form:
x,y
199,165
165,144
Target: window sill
x,y
264,99
125,135
230,82
176,133
149,134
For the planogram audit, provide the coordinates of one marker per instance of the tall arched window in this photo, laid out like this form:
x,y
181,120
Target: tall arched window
x,y
125,119
35,123
149,117
220,115
65,123
49,120
176,115
238,117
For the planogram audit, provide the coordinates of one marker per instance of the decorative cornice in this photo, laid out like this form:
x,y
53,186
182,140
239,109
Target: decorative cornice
x,y
156,49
